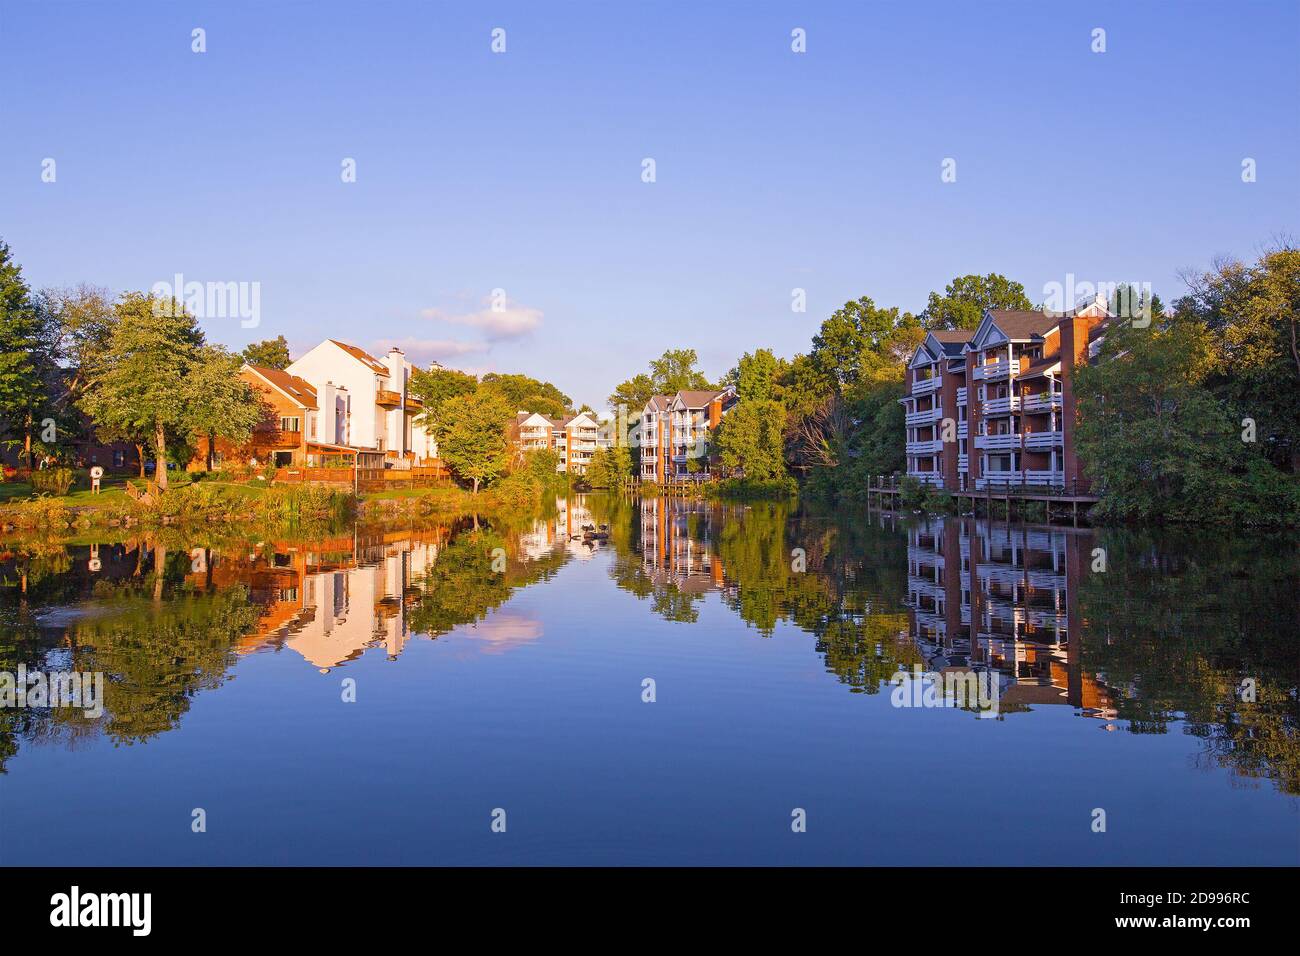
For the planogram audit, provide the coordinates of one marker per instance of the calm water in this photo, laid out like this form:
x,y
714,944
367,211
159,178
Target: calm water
x,y
513,679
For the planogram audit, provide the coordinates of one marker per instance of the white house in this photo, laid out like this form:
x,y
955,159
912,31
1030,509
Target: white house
x,y
364,402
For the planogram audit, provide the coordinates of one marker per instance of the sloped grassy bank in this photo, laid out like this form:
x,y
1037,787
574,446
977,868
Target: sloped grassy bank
x,y
256,506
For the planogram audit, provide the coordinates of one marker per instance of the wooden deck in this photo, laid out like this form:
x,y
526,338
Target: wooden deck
x,y
886,489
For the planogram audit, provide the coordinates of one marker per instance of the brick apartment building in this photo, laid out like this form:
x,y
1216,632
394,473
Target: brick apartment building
x,y
995,407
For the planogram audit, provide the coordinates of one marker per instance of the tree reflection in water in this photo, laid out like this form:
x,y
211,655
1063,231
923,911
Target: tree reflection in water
x,y
1162,638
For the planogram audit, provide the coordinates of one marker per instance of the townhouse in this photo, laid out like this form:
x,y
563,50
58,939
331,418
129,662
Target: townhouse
x,y
335,404
574,438
995,408
365,403
676,430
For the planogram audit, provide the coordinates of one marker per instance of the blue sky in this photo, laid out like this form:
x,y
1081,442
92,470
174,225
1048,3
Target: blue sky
x,y
522,171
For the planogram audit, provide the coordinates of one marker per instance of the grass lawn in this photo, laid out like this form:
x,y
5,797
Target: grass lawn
x,y
113,490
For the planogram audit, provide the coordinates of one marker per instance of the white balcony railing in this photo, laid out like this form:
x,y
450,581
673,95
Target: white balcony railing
x,y
1006,442
992,371
1002,406
1044,439
963,463
961,395
923,386
927,477
925,417
1043,402
924,447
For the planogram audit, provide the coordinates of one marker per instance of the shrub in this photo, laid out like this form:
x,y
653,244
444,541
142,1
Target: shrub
x,y
53,481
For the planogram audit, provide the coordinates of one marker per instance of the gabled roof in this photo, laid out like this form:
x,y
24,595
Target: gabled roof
x,y
699,398
659,403
362,356
1021,324
291,386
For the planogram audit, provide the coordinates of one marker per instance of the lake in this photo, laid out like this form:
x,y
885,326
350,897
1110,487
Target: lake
x,y
704,684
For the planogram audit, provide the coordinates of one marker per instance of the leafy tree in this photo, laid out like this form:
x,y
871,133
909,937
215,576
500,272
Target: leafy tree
x,y
26,358
670,373
221,403
471,433
609,467
1253,315
633,394
752,438
862,345
269,353
756,376
139,381
523,393
1159,444
437,385
675,370
964,300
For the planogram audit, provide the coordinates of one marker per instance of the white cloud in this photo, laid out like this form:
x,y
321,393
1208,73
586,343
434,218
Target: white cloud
x,y
510,321
424,351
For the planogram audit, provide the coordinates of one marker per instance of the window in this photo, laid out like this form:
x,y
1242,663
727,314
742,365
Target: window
x,y
290,423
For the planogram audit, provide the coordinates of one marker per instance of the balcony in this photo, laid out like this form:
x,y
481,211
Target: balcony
x,y
413,406
963,463
993,371
1007,442
386,398
961,395
924,447
276,438
927,477
1031,478
923,386
925,417
1045,440
1042,402
1002,406
1045,477
963,430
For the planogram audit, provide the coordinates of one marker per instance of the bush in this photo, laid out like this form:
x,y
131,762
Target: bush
x,y
748,489
53,481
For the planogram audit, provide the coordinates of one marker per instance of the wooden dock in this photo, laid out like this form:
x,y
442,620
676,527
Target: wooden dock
x,y
883,492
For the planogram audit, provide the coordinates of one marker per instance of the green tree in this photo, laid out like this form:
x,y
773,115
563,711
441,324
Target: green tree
x,y
675,370
523,393
633,394
436,386
672,372
609,467
1253,315
1158,443
26,358
756,376
862,344
472,440
269,353
139,380
964,300
751,438
220,402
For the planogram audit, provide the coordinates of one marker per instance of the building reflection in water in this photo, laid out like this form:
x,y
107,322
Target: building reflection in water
x,y
679,543
331,600
1003,598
